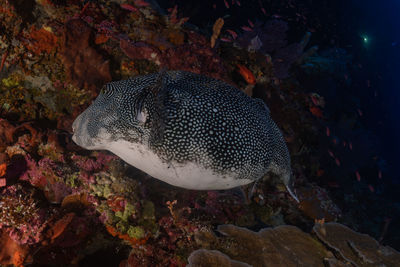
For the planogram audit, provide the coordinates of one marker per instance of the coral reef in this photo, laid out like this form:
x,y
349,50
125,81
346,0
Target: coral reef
x,y
272,35
63,206
84,65
216,31
23,214
289,246
280,246
316,204
355,248
211,258
12,253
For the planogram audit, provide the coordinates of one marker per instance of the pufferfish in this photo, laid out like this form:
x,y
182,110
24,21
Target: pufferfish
x,y
186,129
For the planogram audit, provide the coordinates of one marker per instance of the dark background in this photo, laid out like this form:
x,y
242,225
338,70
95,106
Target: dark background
x,y
342,24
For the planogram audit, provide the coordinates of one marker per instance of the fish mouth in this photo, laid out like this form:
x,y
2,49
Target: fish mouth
x,y
80,134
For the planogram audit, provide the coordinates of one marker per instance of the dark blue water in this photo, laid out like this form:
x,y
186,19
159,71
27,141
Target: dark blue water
x,y
369,33
380,56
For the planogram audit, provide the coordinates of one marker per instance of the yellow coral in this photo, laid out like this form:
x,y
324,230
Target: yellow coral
x,y
216,30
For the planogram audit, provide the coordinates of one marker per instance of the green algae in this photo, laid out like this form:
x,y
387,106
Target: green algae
x,y
21,95
73,180
136,232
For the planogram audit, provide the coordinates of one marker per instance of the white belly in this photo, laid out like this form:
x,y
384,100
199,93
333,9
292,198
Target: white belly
x,y
189,175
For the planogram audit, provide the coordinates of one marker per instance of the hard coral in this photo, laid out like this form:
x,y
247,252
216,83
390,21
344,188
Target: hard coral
x,y
357,249
280,246
216,30
288,246
84,65
212,258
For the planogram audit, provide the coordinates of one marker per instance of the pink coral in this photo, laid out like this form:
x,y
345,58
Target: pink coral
x,y
41,173
93,164
22,214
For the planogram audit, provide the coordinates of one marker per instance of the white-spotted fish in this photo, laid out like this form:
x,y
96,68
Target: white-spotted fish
x,y
186,129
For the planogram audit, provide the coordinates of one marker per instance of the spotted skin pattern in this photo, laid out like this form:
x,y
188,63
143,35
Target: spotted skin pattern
x,y
183,118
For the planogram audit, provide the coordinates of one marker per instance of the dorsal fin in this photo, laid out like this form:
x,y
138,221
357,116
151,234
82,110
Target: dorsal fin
x,y
158,85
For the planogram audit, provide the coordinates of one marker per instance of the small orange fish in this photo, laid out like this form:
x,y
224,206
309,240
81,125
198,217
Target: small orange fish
x,y
380,174
371,188
226,4
246,74
3,168
246,28
316,112
337,161
141,3
331,154
358,176
263,11
320,172
350,146
227,40
101,38
232,33
129,7
250,23
328,132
